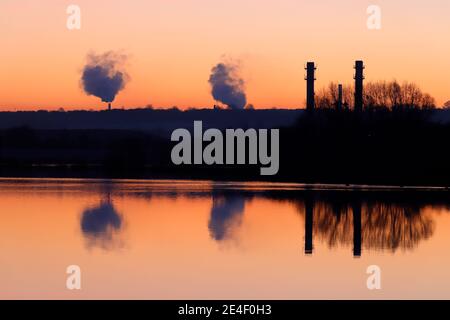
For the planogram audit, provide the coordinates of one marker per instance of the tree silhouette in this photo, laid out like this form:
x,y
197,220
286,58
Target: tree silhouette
x,y
379,95
447,105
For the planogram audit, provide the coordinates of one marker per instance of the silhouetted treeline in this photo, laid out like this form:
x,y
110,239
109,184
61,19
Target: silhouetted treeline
x,y
378,95
156,121
401,147
376,146
104,150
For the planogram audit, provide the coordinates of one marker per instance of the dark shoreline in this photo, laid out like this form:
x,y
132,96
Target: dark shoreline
x,y
374,147
210,174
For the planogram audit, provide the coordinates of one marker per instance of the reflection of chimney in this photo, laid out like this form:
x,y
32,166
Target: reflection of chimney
x,y
310,78
309,212
109,106
359,77
339,102
357,230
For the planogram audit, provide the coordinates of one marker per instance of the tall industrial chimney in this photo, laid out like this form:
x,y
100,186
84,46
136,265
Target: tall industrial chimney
x,y
359,78
109,106
339,102
310,78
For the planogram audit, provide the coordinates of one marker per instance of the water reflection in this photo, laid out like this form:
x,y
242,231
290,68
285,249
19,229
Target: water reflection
x,y
364,223
226,214
382,221
157,238
309,214
101,224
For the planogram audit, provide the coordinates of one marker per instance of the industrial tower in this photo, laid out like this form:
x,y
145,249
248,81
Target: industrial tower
x,y
310,78
359,78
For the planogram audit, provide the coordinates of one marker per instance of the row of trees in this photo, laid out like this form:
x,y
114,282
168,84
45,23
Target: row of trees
x,y
380,94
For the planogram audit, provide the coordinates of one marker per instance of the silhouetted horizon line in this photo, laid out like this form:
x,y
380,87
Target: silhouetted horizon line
x,y
182,109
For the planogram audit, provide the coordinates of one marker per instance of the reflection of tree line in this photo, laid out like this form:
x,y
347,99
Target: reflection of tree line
x,y
365,224
369,223
396,226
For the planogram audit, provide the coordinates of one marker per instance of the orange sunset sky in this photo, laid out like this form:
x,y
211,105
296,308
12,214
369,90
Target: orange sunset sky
x,y
173,44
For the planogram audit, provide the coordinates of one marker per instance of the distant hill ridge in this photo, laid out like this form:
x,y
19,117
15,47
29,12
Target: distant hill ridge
x,y
159,121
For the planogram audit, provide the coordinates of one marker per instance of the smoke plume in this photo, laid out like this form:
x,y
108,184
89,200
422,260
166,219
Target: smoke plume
x,y
226,85
104,75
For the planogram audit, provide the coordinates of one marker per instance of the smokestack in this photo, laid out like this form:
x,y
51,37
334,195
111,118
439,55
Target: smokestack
x,y
339,102
359,78
109,106
310,78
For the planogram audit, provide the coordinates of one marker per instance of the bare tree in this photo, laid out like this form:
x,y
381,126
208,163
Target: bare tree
x,y
428,102
395,94
380,94
447,105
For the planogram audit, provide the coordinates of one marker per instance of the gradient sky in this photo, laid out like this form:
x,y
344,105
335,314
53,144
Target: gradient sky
x,y
173,44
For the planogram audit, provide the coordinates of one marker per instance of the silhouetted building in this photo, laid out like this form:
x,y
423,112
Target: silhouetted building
x,y
359,78
109,106
310,78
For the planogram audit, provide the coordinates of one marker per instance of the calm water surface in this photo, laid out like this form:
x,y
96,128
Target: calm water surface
x,y
209,240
